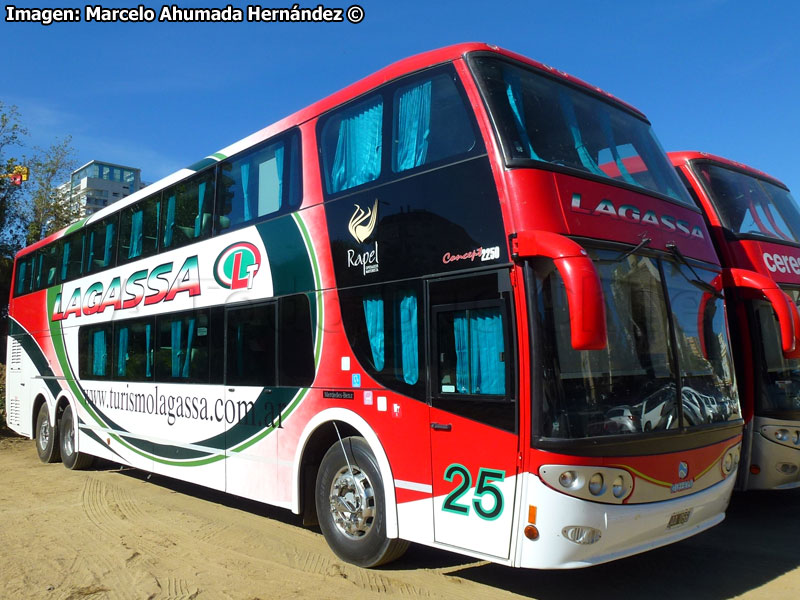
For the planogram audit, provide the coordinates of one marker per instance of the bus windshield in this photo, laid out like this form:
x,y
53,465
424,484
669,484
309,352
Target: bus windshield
x,y
665,333
780,376
541,119
750,205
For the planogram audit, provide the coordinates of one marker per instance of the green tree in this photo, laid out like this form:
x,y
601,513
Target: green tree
x,y
12,135
50,208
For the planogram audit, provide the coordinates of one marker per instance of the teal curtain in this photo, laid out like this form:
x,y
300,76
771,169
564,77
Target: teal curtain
x,y
109,244
245,174
176,348
461,335
90,254
169,223
65,261
99,353
605,123
198,220
408,335
568,111
148,369
358,150
487,369
413,127
373,315
21,277
187,359
137,221
122,351
514,94
279,168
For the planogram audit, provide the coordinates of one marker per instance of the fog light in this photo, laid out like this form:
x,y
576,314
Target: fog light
x,y
581,535
618,487
567,479
727,464
782,435
786,468
596,484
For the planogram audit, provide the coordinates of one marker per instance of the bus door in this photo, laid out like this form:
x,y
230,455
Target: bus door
x,y
251,400
474,444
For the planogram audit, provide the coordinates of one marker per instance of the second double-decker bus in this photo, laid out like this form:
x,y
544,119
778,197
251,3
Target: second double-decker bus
x,y
439,306
755,225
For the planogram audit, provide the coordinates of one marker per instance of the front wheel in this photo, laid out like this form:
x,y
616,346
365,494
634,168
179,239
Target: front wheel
x,y
46,436
70,456
351,506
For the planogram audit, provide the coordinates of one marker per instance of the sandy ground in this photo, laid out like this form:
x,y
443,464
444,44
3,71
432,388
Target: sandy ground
x,y
114,533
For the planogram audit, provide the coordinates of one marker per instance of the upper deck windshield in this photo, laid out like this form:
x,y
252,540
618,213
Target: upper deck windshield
x,y
749,205
539,118
665,334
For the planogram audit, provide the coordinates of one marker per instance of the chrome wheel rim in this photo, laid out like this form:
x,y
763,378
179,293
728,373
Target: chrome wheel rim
x,y
352,502
68,447
44,434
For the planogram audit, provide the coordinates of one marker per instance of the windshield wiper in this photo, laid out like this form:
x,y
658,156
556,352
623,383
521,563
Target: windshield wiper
x,y
672,247
644,241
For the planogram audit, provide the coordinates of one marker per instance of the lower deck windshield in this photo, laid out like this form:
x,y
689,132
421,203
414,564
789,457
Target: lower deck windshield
x,y
778,392
667,339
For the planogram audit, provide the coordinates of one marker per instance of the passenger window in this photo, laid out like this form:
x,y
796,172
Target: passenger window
x,y
95,352
295,342
351,145
431,123
134,345
138,229
182,351
383,326
23,282
471,351
101,246
186,211
71,257
262,182
46,266
250,346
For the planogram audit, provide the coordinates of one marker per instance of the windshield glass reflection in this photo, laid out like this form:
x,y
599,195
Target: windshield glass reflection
x,y
631,386
780,376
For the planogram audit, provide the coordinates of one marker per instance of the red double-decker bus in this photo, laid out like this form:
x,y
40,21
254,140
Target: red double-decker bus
x,y
465,302
755,225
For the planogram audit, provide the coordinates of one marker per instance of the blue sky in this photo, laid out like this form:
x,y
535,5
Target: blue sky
x,y
716,75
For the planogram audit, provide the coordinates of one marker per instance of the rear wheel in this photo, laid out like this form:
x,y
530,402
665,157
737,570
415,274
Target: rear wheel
x,y
46,436
351,506
70,456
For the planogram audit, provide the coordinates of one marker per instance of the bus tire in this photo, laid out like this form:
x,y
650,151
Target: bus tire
x,y
46,436
70,456
352,514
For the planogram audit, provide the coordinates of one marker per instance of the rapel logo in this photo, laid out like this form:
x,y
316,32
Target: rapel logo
x,y
361,226
237,265
362,223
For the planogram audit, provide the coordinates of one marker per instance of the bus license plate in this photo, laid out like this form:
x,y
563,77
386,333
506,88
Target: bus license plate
x,y
679,518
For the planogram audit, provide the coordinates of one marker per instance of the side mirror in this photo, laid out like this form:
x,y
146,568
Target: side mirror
x,y
785,309
587,312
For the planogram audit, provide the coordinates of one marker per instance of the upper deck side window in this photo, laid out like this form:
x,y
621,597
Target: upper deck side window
x,y
262,181
420,121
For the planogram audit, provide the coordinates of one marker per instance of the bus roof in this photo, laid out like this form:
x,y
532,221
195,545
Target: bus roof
x,y
393,71
679,158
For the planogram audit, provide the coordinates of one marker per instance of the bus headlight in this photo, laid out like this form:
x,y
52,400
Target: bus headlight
x,y
596,484
589,482
567,479
782,435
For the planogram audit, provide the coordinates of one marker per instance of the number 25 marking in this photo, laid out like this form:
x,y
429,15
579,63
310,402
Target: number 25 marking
x,y
483,487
